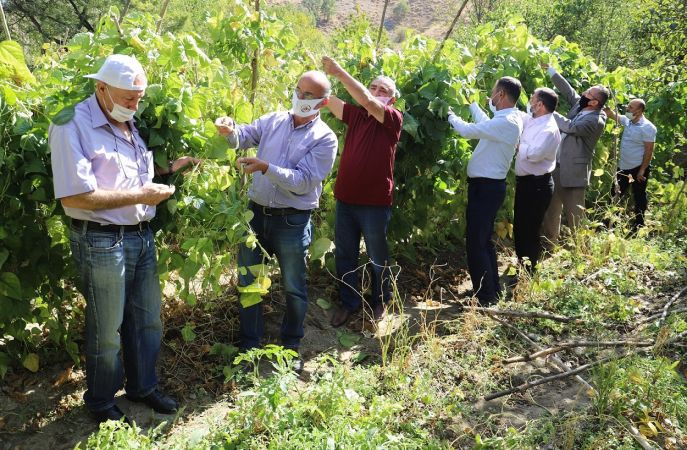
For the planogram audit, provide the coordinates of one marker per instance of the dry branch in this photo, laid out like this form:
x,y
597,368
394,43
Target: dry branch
x,y
530,384
527,314
554,360
670,303
659,315
569,345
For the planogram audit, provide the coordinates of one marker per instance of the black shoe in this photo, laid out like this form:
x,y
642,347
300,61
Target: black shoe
x,y
161,403
113,413
378,311
341,316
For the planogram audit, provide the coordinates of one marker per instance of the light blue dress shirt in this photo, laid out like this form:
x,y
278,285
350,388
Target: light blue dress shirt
x,y
299,159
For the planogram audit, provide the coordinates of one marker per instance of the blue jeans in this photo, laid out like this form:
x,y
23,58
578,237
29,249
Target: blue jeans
x,y
118,277
485,197
370,222
288,237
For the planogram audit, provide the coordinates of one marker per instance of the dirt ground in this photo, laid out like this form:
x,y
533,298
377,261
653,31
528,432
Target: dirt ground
x,y
45,410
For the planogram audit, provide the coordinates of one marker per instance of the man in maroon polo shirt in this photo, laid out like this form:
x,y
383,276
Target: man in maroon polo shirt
x,y
364,187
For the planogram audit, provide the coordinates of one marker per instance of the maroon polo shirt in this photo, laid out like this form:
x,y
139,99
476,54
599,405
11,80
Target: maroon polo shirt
x,y
366,167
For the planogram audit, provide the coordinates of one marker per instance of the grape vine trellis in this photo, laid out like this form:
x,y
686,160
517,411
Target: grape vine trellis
x,y
194,80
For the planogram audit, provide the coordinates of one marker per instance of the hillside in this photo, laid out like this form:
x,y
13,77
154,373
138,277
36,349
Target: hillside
x,y
430,17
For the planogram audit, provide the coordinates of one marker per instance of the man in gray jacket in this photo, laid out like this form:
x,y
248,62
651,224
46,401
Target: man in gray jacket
x,y
580,130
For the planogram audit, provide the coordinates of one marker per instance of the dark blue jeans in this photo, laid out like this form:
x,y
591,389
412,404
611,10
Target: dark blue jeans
x,y
370,222
485,197
118,277
288,238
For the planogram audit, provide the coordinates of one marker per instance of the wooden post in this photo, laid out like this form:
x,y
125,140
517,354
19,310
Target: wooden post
x,y
450,30
4,22
254,63
163,11
381,23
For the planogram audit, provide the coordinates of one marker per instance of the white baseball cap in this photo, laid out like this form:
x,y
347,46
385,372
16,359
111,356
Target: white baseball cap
x,y
120,71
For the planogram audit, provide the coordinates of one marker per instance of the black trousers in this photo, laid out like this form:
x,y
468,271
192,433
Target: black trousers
x,y
638,192
485,197
532,197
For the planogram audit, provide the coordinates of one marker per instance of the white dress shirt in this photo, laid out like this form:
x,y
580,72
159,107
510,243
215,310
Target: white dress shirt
x,y
497,139
538,144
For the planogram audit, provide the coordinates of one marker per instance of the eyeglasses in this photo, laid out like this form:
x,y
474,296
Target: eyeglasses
x,y
305,95
140,155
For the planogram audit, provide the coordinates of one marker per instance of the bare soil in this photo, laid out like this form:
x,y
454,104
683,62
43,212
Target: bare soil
x,y
46,411
429,17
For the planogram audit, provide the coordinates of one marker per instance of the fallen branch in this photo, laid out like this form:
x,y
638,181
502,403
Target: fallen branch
x,y
559,376
660,315
569,345
555,361
527,314
530,384
670,303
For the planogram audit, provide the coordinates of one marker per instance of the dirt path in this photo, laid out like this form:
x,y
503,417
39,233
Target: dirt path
x,y
46,411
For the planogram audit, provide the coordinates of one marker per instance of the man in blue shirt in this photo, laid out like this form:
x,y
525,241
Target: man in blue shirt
x,y
296,151
636,150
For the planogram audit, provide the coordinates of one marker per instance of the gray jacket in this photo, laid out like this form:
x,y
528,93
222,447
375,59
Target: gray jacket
x,y
582,133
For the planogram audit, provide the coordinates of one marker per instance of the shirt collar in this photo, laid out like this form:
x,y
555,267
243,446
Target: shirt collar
x,y
505,111
305,125
640,121
543,118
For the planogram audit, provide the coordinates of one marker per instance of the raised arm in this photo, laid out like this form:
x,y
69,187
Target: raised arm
x,y
562,84
359,92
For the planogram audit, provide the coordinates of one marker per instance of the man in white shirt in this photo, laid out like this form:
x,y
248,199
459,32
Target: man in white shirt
x,y
487,172
636,150
535,161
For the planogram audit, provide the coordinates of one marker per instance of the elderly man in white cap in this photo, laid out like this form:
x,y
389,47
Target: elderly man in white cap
x,y
364,187
103,176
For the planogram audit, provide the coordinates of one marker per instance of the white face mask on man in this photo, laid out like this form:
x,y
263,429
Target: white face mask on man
x,y
630,115
304,108
118,112
384,100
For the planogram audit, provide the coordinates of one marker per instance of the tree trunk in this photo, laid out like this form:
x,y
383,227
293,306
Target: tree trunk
x,y
163,11
450,30
4,22
381,23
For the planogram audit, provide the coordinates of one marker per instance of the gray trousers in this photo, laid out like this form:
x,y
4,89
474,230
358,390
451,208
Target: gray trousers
x,y
569,198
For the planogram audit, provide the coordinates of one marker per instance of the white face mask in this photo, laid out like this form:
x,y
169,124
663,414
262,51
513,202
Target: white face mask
x,y
492,106
385,100
120,113
529,108
304,108
630,115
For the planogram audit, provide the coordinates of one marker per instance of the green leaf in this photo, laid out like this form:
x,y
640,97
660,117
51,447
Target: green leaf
x,y
243,113
31,362
348,340
187,333
4,254
324,304
64,116
598,172
13,65
10,285
410,126
320,247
